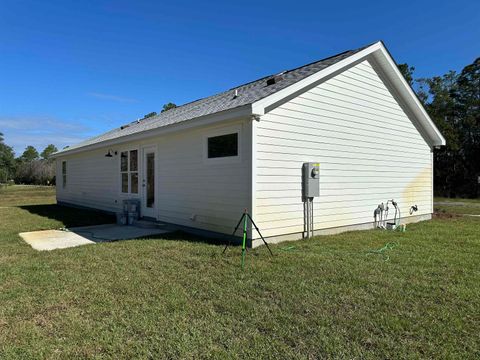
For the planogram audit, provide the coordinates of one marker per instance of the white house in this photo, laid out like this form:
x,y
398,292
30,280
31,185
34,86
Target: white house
x,y
199,165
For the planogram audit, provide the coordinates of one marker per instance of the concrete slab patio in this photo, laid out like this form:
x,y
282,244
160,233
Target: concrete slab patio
x,y
53,239
61,239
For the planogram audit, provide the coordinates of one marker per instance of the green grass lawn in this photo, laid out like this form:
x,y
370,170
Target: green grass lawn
x,y
459,210
457,206
180,298
471,201
26,195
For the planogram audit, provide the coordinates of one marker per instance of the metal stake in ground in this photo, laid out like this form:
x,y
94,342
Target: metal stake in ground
x,y
245,217
244,242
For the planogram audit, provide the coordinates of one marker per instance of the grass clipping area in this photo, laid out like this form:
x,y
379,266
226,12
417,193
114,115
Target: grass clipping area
x,y
180,298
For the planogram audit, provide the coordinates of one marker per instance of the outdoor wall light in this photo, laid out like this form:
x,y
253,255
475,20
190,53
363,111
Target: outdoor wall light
x,y
109,153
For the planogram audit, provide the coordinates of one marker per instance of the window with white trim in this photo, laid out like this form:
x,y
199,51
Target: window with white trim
x,y
129,172
64,174
222,146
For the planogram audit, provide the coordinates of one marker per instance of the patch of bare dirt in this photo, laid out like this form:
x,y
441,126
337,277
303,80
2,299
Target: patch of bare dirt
x,y
444,215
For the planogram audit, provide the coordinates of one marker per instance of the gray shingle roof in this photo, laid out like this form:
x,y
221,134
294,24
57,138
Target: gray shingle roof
x,y
247,94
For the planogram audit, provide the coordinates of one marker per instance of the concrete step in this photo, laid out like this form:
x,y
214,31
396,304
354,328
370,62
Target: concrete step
x,y
147,224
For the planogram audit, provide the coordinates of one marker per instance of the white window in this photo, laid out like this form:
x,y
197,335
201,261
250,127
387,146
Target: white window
x,y
223,145
64,174
129,171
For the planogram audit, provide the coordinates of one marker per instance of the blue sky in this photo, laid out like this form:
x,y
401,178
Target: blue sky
x,y
73,69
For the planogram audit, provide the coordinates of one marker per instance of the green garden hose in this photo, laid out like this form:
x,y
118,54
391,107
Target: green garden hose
x,y
288,248
382,250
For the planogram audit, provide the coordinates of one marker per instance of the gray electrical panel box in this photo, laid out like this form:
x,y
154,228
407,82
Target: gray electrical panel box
x,y
311,179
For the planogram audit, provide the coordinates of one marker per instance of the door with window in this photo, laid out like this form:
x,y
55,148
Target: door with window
x,y
148,181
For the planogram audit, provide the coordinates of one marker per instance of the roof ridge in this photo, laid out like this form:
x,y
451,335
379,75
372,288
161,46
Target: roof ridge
x,y
250,92
261,78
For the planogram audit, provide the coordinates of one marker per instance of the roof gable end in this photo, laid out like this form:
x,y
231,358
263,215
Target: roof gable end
x,y
388,71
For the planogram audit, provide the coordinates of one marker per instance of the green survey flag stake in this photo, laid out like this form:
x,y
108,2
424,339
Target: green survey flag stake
x,y
244,243
245,217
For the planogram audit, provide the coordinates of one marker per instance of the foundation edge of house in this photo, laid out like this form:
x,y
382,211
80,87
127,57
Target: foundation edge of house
x,y
335,230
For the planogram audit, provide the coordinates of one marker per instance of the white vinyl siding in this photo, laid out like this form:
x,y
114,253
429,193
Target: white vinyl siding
x,y
92,180
368,149
190,190
199,192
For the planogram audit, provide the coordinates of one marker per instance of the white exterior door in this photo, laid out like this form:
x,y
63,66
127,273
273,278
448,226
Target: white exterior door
x,y
148,181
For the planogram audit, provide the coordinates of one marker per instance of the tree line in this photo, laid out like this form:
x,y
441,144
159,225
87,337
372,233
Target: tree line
x,y
453,102
29,168
34,168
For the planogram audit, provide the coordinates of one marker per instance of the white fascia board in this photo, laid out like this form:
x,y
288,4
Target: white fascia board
x,y
379,53
236,113
385,60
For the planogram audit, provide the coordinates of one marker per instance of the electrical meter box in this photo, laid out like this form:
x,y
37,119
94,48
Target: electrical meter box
x,y
311,179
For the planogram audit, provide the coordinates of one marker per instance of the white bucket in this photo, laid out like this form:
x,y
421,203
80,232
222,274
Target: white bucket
x,y
121,219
